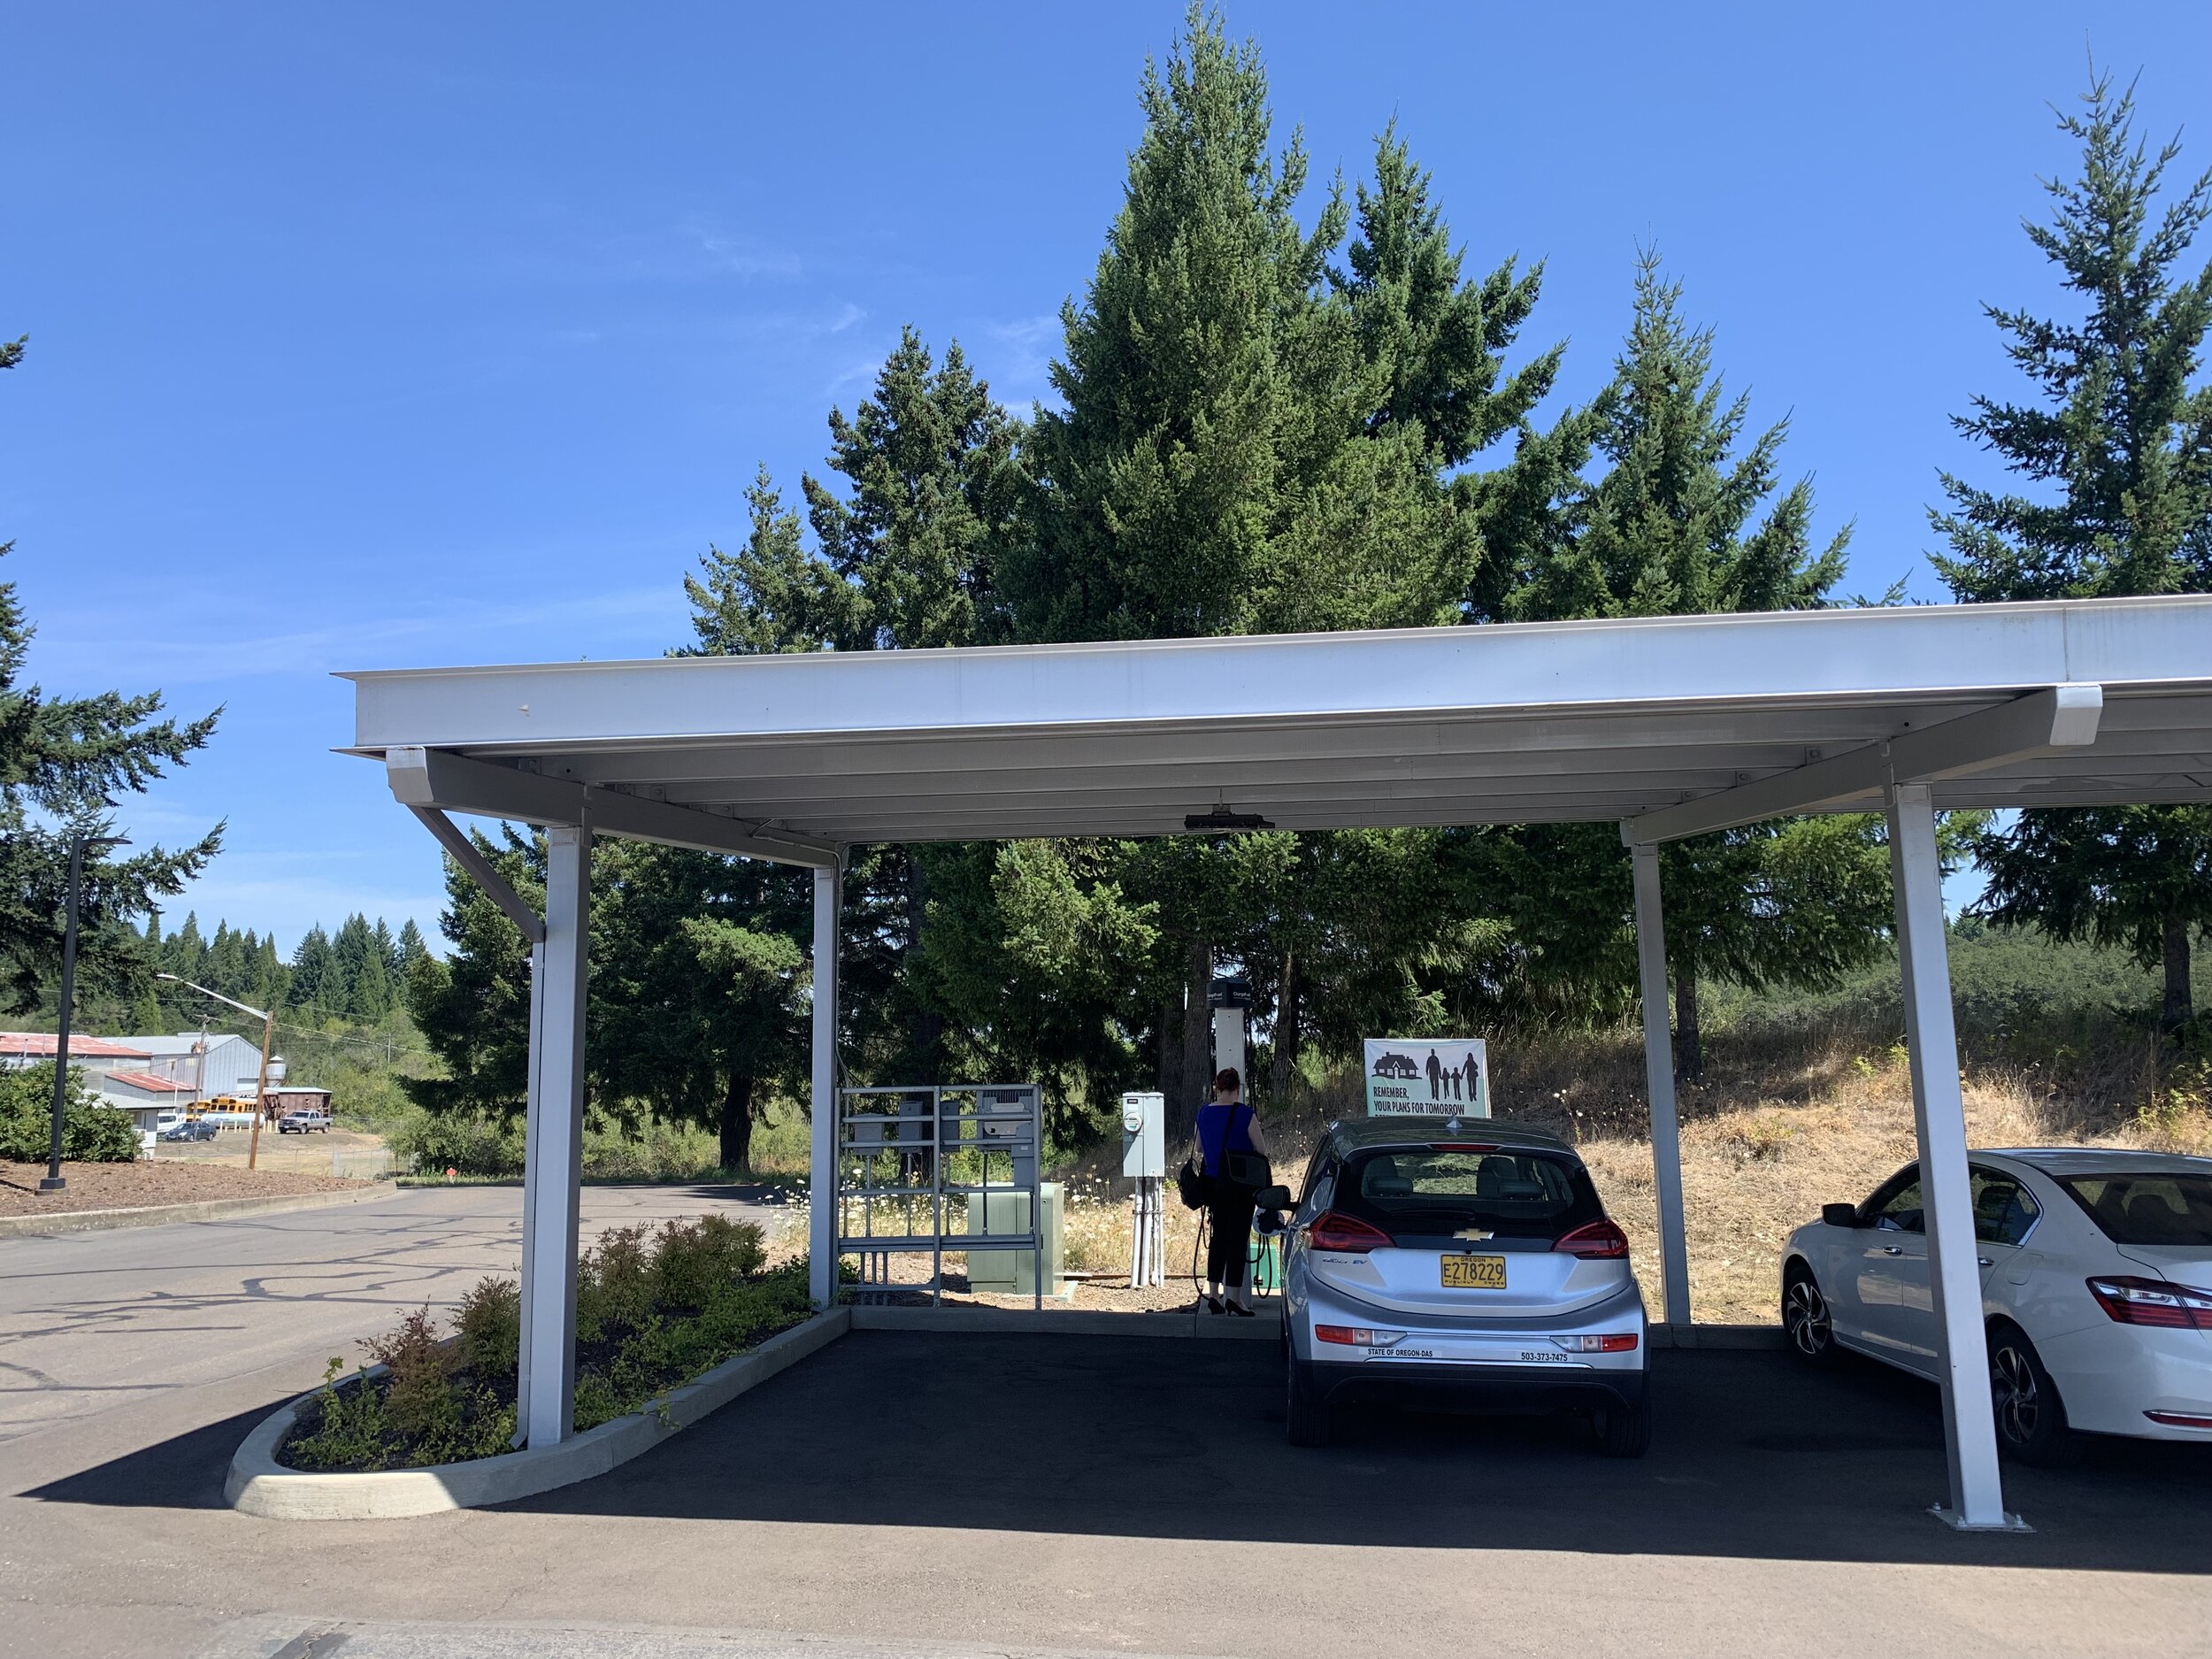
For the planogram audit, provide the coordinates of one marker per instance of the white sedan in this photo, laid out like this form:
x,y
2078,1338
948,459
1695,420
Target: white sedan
x,y
2096,1284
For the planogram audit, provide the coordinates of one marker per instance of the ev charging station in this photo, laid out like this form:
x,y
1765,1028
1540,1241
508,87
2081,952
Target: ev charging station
x,y
1230,997
1144,1161
1669,726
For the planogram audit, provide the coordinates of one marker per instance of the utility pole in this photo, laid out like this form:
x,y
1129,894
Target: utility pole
x,y
267,1017
55,1181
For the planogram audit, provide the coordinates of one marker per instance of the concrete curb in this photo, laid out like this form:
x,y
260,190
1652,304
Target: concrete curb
x,y
1267,1327
258,1485
201,1210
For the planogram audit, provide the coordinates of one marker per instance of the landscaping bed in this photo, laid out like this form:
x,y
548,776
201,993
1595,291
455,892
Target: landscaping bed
x,y
655,1309
148,1182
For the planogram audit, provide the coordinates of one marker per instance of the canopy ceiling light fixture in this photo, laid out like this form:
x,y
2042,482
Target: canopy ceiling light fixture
x,y
1222,818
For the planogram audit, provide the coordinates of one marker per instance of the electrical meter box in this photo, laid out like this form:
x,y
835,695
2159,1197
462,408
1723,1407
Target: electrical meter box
x,y
1144,1136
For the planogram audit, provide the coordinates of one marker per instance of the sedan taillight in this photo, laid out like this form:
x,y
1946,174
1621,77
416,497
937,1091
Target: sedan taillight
x,y
1596,1241
2153,1302
1335,1230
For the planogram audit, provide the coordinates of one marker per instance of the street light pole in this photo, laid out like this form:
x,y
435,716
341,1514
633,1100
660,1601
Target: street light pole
x,y
55,1181
267,1017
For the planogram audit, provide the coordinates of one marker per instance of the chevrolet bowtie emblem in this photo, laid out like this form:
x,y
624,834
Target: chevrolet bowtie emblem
x,y
1474,1234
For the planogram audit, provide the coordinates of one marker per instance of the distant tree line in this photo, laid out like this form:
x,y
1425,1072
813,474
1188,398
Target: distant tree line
x,y
358,973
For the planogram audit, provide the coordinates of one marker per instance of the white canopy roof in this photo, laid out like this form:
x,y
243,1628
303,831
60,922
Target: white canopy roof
x,y
2063,702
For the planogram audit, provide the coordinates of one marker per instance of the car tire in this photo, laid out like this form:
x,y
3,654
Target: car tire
x,y
1307,1418
2030,1417
1623,1431
1807,1325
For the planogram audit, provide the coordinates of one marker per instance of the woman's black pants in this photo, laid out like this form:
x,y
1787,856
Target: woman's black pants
x,y
1229,1241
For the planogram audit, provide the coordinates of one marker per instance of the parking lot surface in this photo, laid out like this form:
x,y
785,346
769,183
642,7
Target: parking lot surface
x,y
1038,1492
90,1322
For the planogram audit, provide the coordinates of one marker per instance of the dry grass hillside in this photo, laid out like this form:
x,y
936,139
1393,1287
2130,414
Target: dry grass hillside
x,y
1786,1120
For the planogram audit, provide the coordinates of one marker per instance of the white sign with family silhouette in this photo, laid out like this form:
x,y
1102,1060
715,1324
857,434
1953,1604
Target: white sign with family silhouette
x,y
1427,1075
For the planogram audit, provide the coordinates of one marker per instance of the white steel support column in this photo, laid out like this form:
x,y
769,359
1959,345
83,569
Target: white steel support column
x,y
533,1114
554,1167
1970,1428
822,1183
1666,1135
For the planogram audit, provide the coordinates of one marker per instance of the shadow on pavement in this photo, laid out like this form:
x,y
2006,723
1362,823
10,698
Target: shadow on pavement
x,y
1753,1456
1151,1437
184,1472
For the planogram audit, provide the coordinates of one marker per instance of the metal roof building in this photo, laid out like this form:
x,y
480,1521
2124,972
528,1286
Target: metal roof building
x,y
1670,726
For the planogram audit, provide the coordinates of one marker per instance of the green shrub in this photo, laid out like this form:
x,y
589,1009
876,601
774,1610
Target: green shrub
x,y
655,1308
487,1327
91,1132
468,1145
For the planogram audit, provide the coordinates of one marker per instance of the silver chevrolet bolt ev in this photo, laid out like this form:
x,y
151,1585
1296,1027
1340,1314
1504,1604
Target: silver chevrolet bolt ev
x,y
1460,1264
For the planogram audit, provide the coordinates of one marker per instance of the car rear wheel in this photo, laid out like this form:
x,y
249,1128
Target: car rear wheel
x,y
2030,1417
1623,1431
1307,1418
1807,1325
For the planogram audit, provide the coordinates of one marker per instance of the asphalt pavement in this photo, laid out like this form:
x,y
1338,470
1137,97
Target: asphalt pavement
x,y
937,1493
92,1321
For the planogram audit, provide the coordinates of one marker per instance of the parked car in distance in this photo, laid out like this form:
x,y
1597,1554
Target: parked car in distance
x,y
188,1129
301,1123
1457,1262
2096,1270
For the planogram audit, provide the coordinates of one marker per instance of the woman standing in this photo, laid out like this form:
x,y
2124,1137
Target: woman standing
x,y
1235,1160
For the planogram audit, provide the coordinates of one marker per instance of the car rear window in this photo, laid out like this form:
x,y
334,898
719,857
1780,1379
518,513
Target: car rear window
x,y
1427,1192
2146,1208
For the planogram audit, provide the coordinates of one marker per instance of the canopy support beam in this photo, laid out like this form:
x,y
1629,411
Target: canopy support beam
x,y
423,777
1970,1422
553,1170
466,853
2041,723
1666,1135
822,1183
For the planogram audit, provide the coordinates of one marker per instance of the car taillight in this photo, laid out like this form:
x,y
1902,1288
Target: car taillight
x,y
1594,1241
2153,1302
1610,1342
1334,1230
2180,1419
1357,1336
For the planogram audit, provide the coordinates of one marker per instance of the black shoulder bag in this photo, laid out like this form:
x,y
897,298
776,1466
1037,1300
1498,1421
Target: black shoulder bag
x,y
1193,1185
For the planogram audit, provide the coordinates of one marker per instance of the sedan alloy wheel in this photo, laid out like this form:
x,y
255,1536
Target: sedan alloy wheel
x,y
1806,1319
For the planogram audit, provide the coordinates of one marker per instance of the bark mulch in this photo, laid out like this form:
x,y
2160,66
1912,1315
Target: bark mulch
x,y
131,1186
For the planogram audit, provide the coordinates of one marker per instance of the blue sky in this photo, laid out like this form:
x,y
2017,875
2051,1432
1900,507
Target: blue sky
x,y
390,336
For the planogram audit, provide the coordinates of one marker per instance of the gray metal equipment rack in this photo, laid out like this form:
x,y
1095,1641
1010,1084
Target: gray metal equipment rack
x,y
905,1154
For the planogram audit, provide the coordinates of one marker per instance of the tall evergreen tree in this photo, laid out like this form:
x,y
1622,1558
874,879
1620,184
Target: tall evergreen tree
x,y
1439,342
227,961
408,949
473,1006
272,979
1669,529
928,464
1686,520
2119,438
62,759
315,982
1227,461
907,549
359,987
770,595
699,986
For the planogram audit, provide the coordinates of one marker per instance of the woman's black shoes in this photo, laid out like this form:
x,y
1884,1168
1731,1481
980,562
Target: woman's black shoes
x,y
1212,1303
1238,1310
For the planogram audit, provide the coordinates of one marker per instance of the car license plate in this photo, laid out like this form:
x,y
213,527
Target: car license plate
x,y
1474,1272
